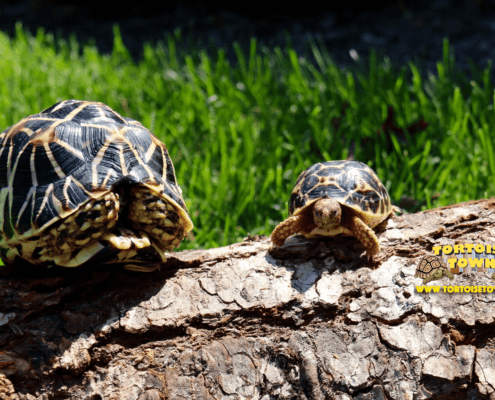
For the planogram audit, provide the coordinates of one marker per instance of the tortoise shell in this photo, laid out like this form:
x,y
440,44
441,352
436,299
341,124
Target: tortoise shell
x,y
79,182
352,183
428,265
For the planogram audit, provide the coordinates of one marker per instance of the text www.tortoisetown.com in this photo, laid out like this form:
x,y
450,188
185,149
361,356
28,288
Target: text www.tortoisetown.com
x,y
455,289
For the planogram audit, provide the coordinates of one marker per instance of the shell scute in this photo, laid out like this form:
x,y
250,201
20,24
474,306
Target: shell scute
x,y
4,166
328,171
51,110
139,142
24,174
350,165
45,210
75,195
43,173
432,268
428,265
73,134
366,200
369,179
313,169
18,142
140,174
112,115
24,217
295,202
352,183
8,229
309,183
66,160
170,173
61,113
37,124
329,190
347,181
156,160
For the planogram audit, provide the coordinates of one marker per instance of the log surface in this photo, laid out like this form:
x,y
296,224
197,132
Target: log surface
x,y
313,320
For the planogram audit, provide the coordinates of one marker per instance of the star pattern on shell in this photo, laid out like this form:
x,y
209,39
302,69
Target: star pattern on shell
x,y
79,182
337,197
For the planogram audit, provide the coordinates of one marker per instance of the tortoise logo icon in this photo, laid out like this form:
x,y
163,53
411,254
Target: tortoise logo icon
x,y
431,268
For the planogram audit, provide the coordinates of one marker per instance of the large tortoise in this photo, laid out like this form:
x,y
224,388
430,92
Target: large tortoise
x,y
80,183
337,197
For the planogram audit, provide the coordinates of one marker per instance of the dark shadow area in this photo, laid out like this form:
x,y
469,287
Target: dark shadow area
x,y
404,30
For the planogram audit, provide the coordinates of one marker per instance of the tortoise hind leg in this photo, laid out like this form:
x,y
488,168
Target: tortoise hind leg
x,y
365,235
157,217
81,229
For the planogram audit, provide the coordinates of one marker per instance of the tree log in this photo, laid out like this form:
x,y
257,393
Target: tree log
x,y
313,320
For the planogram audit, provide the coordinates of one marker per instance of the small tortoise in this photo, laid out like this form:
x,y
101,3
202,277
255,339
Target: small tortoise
x,y
432,268
80,183
337,197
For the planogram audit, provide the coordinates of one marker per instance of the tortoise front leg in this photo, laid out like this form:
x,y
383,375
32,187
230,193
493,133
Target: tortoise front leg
x,y
285,229
294,224
365,235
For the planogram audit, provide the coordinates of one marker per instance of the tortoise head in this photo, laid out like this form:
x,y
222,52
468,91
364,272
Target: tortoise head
x,y
327,213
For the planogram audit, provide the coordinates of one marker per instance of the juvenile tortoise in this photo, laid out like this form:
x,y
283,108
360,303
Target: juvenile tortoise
x,y
337,197
432,268
80,183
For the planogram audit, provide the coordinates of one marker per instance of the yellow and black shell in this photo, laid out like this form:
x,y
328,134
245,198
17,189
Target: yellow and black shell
x,y
429,265
79,182
351,183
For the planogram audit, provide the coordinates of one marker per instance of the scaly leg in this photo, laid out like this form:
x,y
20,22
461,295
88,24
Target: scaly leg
x,y
294,224
81,229
365,235
157,217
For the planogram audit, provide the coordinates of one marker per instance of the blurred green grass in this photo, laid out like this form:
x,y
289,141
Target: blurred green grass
x,y
240,135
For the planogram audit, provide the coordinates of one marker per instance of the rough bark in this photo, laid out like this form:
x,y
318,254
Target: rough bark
x,y
316,320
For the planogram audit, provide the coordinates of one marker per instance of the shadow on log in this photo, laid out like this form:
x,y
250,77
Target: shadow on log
x,y
315,320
